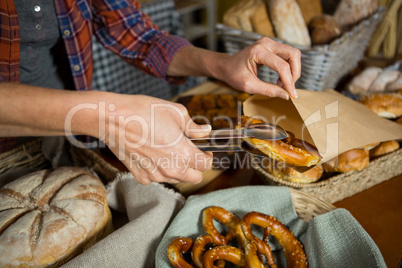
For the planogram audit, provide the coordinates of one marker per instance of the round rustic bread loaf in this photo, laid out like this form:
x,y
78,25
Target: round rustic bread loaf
x,y
49,216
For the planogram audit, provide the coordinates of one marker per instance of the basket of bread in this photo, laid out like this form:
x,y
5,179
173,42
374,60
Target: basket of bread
x,y
264,226
331,35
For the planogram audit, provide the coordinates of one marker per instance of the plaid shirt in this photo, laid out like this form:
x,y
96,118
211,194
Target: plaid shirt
x,y
119,25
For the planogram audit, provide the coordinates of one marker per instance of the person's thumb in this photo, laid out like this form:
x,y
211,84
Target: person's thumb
x,y
194,131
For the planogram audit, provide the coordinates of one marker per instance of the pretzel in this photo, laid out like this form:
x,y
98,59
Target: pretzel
x,y
175,249
223,216
291,151
199,249
292,248
228,253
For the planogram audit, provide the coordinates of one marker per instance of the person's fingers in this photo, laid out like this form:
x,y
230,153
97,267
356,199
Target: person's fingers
x,y
282,67
192,176
195,131
292,56
271,90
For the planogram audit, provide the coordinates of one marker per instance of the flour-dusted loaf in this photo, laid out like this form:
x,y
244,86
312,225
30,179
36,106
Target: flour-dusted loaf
x,y
49,216
238,16
288,22
349,12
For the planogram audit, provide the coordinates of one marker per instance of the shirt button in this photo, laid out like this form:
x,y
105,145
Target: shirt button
x,y
76,68
66,33
37,8
38,27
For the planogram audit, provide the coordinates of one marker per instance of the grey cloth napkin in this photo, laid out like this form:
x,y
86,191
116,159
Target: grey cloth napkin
x,y
149,209
334,239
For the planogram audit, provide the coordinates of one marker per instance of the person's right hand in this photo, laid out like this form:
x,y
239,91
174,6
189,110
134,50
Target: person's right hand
x,y
150,136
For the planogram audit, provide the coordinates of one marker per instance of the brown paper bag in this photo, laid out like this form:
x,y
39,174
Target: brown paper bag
x,y
327,119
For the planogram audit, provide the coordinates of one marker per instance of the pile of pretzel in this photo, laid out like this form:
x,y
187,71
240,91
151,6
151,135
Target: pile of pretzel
x,y
213,249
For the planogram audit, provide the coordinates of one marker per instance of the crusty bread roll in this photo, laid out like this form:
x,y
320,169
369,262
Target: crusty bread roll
x,y
238,16
384,148
310,9
261,21
323,29
349,12
355,159
385,105
286,173
288,22
385,77
395,85
361,83
48,217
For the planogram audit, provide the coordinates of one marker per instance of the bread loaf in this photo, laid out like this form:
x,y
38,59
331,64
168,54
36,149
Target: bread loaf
x,y
361,83
310,9
238,16
349,12
323,29
385,77
48,217
395,85
384,148
288,22
385,105
261,21
355,159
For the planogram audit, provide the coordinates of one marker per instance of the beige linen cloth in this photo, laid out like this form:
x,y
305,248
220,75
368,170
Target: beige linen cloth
x,y
149,209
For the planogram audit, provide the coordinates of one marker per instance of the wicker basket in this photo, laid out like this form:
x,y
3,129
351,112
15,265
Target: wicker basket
x,y
342,185
322,66
26,155
308,206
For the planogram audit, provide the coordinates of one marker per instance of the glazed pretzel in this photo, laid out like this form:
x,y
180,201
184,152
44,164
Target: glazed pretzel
x,y
227,253
292,248
223,216
175,249
291,151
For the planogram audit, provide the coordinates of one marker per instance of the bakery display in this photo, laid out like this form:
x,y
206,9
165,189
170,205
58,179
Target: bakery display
x,y
239,246
50,216
385,105
298,22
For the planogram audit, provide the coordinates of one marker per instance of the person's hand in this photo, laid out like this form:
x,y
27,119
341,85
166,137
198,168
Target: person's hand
x,y
150,136
240,69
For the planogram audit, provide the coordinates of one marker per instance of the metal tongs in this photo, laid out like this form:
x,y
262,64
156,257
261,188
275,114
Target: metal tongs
x,y
235,140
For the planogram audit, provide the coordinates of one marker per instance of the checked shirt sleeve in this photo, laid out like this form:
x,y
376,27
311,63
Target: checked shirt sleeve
x,y
121,27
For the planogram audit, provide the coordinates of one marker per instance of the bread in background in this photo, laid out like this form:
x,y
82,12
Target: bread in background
x,y
385,105
310,9
323,29
355,159
361,83
395,85
384,78
383,148
261,21
288,22
349,12
239,15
